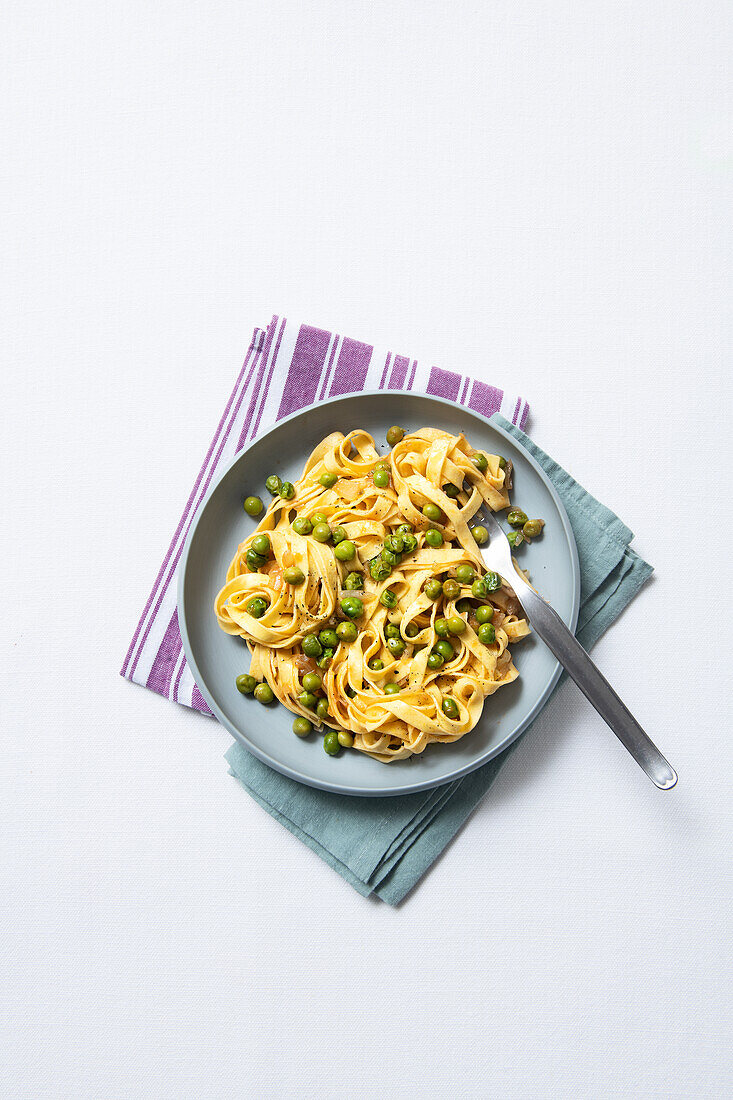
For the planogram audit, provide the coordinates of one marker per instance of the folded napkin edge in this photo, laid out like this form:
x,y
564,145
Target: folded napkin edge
x,y
362,887
607,522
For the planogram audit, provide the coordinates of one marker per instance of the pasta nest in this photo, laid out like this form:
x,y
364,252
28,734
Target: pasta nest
x,y
386,726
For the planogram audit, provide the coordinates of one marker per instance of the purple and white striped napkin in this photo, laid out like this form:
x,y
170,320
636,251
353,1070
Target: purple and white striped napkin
x,y
287,366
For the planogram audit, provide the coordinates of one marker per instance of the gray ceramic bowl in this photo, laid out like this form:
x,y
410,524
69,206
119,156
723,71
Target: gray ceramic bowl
x,y
217,658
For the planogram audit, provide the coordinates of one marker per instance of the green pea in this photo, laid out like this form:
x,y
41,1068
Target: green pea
x,y
404,529
456,624
444,648
381,478
312,681
433,537
395,543
287,490
322,708
261,545
352,606
311,646
293,575
345,739
412,630
409,543
321,532
379,569
302,526
382,466
394,435
325,660
253,506
435,660
391,689
480,461
493,582
331,743
515,538
480,535
254,560
301,726
328,480
451,589
319,517
328,638
391,630
486,633
440,626
390,558
273,484
345,551
433,589
347,632
308,700
256,607
464,605
533,528
451,491
466,574
502,462
338,535
388,599
246,683
432,512
376,665
396,646
485,614
516,517
264,693
450,708
479,589
354,582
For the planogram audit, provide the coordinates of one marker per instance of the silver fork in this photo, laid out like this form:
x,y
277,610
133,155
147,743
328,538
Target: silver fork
x,y
548,625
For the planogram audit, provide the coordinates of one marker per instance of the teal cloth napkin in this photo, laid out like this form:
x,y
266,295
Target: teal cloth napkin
x,y
384,846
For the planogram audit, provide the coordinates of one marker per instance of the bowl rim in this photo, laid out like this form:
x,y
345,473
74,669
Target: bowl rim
x,y
409,787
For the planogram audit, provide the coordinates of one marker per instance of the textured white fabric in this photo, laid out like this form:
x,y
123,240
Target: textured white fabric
x,y
540,196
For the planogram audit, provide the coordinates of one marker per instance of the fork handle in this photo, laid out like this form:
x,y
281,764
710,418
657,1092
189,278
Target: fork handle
x,y
594,685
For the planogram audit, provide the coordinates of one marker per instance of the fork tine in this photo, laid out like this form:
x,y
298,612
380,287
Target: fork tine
x,y
497,555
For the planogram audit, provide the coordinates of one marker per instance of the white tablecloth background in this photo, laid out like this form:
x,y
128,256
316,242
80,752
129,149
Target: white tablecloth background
x,y
537,194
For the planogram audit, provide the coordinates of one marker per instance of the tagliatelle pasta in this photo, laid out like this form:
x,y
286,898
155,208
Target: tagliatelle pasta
x,y
396,631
